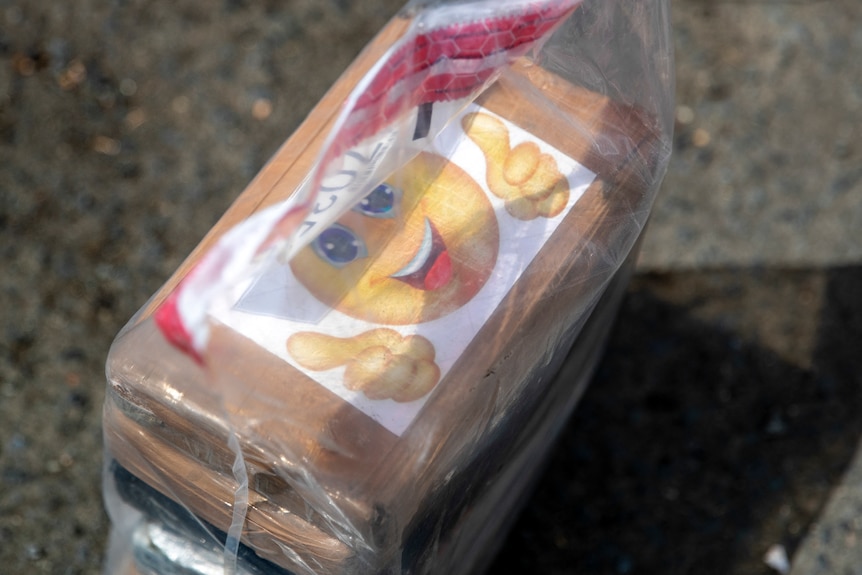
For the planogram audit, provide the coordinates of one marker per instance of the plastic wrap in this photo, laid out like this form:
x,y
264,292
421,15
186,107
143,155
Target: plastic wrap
x,y
358,369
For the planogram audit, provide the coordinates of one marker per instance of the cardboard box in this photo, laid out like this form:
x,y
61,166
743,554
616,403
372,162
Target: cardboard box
x,y
331,488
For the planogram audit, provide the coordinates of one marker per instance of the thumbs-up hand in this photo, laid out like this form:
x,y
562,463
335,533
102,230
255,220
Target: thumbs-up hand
x,y
381,363
526,178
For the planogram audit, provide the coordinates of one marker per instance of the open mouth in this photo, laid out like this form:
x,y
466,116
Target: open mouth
x,y
430,267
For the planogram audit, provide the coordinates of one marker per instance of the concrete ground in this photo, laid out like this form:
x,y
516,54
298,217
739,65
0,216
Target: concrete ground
x,y
725,418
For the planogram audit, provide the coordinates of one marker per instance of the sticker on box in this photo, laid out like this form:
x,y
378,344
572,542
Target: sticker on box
x,y
379,307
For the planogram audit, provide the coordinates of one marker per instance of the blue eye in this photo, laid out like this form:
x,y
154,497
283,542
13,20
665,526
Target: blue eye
x,y
380,203
338,246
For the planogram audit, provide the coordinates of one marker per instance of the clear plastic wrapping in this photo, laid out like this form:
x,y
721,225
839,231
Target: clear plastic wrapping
x,y
358,369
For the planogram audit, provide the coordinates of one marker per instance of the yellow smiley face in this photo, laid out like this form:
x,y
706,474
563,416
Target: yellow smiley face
x,y
415,249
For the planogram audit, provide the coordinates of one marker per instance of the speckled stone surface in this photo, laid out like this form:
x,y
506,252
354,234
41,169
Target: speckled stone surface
x,y
769,124
725,415
833,543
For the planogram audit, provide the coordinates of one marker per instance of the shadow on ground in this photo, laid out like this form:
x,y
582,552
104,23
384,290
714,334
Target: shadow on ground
x,y
717,426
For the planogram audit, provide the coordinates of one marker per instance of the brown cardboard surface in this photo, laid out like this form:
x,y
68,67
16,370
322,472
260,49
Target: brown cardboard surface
x,y
369,480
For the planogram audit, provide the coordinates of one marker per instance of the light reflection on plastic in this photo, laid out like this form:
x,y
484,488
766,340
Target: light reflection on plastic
x,y
174,394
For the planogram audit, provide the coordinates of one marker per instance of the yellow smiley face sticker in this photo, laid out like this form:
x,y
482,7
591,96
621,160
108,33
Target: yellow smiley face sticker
x,y
415,249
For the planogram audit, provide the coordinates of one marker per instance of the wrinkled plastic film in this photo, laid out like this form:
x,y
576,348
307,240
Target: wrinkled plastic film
x,y
359,370
447,56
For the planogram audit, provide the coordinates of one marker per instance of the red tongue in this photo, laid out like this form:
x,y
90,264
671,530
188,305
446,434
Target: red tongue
x,y
440,273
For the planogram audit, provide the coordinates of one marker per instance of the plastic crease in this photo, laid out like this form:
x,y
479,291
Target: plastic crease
x,y
240,506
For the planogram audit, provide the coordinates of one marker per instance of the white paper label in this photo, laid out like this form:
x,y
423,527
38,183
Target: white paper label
x,y
381,305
